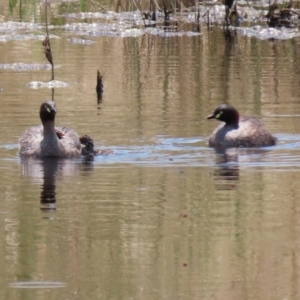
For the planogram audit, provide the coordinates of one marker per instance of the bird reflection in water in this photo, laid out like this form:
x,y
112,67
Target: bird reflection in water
x,y
48,193
46,170
227,170
227,161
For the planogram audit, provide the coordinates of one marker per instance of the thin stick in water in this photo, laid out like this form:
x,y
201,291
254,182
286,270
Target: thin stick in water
x,y
46,43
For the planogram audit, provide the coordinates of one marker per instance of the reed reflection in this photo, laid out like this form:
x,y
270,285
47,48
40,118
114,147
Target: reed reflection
x,y
230,40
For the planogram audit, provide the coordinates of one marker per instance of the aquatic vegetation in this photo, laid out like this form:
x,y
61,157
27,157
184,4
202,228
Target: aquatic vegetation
x,y
167,21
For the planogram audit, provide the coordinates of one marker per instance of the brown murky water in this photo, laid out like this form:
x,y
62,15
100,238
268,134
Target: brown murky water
x,y
164,217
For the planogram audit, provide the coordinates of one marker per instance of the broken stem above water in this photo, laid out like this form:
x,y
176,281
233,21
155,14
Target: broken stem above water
x,y
46,43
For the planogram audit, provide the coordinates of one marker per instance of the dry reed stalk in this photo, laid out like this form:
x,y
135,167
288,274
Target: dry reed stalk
x,y
46,43
99,87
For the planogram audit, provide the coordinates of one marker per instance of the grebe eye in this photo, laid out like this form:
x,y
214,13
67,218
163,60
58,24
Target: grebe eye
x,y
219,114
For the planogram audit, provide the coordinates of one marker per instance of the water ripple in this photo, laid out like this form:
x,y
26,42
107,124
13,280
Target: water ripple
x,y
37,284
263,33
49,84
25,67
194,151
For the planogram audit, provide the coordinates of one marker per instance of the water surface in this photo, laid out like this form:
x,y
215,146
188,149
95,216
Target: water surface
x,y
164,216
